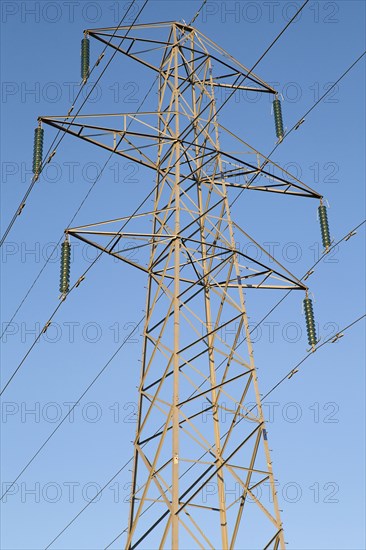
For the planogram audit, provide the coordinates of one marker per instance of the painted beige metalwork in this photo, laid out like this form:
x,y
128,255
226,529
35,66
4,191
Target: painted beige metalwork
x,y
202,471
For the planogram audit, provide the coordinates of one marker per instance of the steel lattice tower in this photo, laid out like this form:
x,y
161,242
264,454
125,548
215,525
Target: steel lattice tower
x,y
196,279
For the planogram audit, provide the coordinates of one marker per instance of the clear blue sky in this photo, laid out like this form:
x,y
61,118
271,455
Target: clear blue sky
x,y
317,417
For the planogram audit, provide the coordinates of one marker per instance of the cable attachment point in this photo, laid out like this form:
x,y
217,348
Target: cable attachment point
x,y
20,209
351,234
299,124
99,59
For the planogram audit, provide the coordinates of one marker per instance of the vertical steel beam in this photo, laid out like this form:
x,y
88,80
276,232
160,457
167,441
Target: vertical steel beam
x,y
175,419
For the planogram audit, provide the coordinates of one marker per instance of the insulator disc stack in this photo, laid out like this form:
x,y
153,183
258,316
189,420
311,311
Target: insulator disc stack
x,y
85,55
37,149
310,323
65,267
277,112
324,227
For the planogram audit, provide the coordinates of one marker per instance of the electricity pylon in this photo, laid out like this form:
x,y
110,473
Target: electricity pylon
x,y
197,478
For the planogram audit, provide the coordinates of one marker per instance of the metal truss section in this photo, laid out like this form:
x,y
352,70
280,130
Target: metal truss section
x,y
138,137
148,43
202,470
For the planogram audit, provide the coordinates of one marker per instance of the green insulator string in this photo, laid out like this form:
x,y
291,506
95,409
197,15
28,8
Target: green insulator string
x,y
85,54
65,267
310,323
324,226
277,112
37,150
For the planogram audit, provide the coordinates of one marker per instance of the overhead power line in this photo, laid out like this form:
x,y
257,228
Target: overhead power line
x,y
302,119
197,13
200,458
76,284
68,123
271,390
346,236
211,118
83,200
239,80
227,99
325,94
133,496
320,345
71,221
146,199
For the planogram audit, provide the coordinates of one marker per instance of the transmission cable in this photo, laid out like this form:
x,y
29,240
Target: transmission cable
x,y
301,121
209,450
149,195
76,284
35,178
74,216
212,117
346,237
307,113
227,99
89,191
72,408
332,339
295,126
241,191
197,14
242,79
